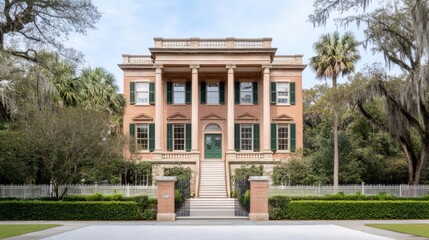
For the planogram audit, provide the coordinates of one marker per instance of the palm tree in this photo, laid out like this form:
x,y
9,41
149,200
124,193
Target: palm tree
x,y
335,55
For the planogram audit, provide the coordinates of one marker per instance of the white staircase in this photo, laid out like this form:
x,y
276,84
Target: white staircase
x,y
212,179
212,201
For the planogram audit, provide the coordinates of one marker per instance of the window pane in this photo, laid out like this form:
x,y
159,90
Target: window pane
x,y
217,143
246,97
179,93
208,142
142,97
246,86
246,137
213,93
179,97
142,86
282,87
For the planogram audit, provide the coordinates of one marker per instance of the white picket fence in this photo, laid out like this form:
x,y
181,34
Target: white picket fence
x,y
39,191
395,190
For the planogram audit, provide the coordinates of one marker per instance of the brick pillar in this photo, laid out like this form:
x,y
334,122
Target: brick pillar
x,y
258,198
166,199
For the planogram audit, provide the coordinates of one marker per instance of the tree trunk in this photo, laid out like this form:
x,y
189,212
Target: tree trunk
x,y
336,162
1,41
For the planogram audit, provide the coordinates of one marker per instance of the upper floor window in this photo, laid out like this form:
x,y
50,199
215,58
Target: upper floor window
x,y
212,93
283,93
179,93
142,92
246,92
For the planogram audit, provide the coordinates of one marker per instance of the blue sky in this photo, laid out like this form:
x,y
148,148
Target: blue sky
x,y
128,26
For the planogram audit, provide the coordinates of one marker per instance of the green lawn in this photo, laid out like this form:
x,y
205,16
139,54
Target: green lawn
x,y
414,229
11,230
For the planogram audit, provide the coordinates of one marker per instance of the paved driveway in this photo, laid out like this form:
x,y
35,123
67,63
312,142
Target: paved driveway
x,y
236,232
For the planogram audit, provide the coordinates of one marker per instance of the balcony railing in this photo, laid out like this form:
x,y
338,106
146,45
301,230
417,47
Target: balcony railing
x,y
283,59
213,43
249,156
137,59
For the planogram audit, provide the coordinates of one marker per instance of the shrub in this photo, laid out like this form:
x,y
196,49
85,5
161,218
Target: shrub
x,y
282,207
180,172
246,200
50,210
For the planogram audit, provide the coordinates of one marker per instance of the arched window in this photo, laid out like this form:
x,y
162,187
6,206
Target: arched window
x,y
212,127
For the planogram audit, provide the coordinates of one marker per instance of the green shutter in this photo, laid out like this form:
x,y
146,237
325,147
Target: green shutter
x,y
151,93
169,92
237,137
132,130
273,93
169,137
256,137
188,92
273,137
237,92
132,93
292,127
292,93
188,137
203,92
222,92
255,92
151,137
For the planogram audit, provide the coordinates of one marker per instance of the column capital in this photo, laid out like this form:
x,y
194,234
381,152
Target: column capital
x,y
266,68
231,66
194,66
158,68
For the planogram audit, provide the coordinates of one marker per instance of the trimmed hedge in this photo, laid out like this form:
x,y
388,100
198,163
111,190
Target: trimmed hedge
x,y
284,208
93,207
50,210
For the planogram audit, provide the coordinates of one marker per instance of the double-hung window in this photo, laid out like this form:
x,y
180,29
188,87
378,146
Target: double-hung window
x,y
283,137
283,93
246,92
246,136
142,92
179,93
212,93
179,137
142,136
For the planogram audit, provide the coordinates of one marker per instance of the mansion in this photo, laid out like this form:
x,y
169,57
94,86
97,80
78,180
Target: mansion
x,y
213,105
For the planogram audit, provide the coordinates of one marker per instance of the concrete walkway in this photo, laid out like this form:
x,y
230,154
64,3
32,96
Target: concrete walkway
x,y
221,229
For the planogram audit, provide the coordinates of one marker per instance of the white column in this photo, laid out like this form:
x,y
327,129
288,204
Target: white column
x,y
230,118
159,104
266,108
194,120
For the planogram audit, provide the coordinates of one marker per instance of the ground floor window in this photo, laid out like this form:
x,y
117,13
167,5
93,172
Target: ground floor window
x,y
142,136
283,136
179,137
246,136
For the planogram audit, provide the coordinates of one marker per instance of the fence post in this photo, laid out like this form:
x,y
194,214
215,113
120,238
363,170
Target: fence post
x,y
50,189
258,198
400,190
165,205
363,188
128,190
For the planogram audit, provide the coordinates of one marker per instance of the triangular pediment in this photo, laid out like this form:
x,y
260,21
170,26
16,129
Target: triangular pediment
x,y
177,117
283,117
212,116
246,116
142,117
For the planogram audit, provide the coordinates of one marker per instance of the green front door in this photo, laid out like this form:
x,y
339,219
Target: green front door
x,y
213,146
